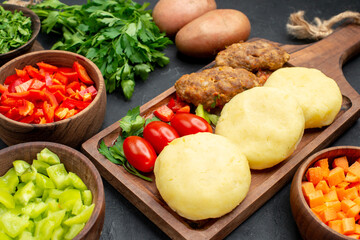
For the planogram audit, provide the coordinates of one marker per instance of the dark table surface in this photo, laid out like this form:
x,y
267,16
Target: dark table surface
x,y
268,19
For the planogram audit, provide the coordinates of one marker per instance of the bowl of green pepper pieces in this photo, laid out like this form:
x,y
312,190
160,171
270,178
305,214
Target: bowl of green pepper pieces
x,y
49,191
19,28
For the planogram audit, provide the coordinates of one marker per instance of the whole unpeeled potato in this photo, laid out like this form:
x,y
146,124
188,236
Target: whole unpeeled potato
x,y
171,15
212,32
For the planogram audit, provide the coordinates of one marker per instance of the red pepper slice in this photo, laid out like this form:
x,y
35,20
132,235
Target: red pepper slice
x,y
71,76
185,109
3,88
82,73
28,119
54,88
33,72
49,111
61,113
61,77
12,102
47,67
21,95
37,84
22,74
24,86
71,104
4,109
176,104
59,96
13,114
26,109
13,85
74,85
164,113
10,79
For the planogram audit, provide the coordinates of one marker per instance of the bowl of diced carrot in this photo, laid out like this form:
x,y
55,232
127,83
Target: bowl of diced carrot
x,y
51,95
324,195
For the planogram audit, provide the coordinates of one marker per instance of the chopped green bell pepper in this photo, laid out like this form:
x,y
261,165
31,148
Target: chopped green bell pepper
x,y
25,194
48,157
74,230
28,175
43,181
76,181
40,166
6,198
58,234
87,197
68,198
58,175
20,166
82,217
12,224
10,180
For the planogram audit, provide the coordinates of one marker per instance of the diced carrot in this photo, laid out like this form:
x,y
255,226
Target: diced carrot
x,y
323,186
336,176
335,205
328,214
348,225
341,215
341,192
351,193
336,225
351,178
353,211
316,198
357,228
307,188
319,209
355,169
357,201
324,165
331,196
343,184
341,162
346,204
314,175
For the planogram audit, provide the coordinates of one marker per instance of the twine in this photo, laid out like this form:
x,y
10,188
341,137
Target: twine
x,y
301,29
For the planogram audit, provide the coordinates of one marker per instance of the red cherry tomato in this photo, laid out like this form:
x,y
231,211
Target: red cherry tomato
x,y
139,153
159,135
188,123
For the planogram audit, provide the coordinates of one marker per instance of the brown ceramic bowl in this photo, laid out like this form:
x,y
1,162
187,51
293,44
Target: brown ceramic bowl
x,y
74,161
71,131
36,25
308,224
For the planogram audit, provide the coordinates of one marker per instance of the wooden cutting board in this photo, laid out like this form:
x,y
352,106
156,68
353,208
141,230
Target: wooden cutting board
x,y
327,55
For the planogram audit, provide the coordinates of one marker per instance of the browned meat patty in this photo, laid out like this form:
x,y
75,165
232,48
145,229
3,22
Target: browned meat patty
x,y
253,56
215,86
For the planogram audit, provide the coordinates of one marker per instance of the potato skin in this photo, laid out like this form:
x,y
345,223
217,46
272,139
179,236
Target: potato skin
x,y
212,32
171,15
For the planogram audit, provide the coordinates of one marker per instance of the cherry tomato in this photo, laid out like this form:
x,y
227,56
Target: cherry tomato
x,y
159,135
188,123
139,153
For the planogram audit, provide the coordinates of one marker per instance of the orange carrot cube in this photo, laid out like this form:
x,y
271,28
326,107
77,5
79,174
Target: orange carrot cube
x,y
324,165
318,209
316,198
351,178
336,225
353,211
336,176
328,214
340,215
341,192
331,196
335,205
348,225
314,175
355,169
323,186
357,200
346,204
357,228
341,162
351,193
343,184
307,188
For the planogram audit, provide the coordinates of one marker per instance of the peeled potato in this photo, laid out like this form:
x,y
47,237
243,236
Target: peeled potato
x,y
202,176
212,32
265,123
319,96
171,15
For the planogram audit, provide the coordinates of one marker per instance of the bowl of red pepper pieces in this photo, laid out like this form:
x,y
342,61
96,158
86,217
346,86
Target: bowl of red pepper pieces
x,y
51,95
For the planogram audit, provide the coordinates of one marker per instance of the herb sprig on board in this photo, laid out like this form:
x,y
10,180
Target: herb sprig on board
x,y
119,36
15,30
131,125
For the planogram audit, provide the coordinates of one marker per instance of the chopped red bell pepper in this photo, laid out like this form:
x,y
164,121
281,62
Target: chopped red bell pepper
x,y
47,67
185,109
82,73
52,93
176,104
164,113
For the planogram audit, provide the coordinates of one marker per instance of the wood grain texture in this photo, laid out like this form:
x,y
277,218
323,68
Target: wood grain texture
x,y
265,183
74,161
35,24
72,131
309,225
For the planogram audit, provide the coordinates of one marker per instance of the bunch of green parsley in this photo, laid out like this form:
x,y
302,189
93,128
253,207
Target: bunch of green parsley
x,y
119,36
15,30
